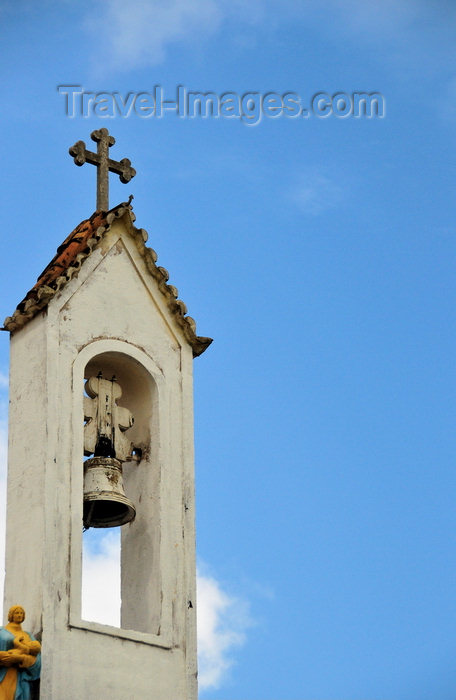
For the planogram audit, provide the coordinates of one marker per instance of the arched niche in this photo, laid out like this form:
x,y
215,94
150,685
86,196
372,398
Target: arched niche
x,y
140,380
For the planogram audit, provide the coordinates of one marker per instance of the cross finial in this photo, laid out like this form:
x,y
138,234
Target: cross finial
x,y
103,163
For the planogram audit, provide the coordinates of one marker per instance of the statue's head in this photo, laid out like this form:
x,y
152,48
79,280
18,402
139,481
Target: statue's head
x,y
16,611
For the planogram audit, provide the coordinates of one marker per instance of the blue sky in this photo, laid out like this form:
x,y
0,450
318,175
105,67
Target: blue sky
x,y
319,255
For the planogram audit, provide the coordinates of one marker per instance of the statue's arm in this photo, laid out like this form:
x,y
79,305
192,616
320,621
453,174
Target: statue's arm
x,y
34,647
6,658
26,660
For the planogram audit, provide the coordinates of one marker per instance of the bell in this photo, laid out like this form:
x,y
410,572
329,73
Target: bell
x,y
105,502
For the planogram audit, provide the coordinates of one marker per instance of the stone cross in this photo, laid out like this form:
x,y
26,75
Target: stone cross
x,y
103,163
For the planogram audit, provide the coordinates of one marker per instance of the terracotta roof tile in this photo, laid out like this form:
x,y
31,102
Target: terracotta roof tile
x,y
71,255
73,244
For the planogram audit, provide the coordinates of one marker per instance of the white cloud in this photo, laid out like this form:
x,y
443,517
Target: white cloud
x,y
101,602
141,32
222,623
316,192
138,32
3,380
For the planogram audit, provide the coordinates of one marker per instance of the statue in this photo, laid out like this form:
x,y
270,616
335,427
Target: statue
x,y
20,658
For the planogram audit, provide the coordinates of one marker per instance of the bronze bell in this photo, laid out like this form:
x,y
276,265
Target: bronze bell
x,y
105,502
